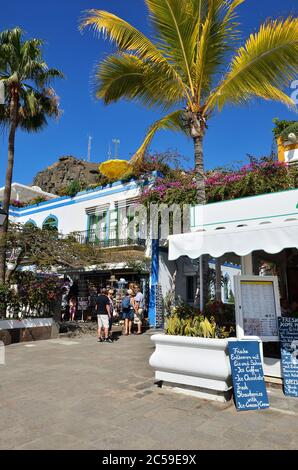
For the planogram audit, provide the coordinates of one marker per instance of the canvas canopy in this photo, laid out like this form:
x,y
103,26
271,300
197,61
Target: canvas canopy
x,y
268,236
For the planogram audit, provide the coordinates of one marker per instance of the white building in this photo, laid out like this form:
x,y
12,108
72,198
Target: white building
x,y
94,217
23,193
258,233
247,234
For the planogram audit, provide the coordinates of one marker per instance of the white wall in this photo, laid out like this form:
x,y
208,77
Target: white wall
x,y
166,272
71,212
249,211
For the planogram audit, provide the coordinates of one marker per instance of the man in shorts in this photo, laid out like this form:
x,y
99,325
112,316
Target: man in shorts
x,y
103,310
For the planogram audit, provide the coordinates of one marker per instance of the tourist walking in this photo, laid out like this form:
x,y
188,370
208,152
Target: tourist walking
x,y
139,309
103,310
112,312
128,308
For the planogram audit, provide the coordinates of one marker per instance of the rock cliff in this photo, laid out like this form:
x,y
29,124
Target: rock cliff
x,y
58,176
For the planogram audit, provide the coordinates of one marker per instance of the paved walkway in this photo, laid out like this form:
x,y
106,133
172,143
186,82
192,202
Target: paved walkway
x,y
79,394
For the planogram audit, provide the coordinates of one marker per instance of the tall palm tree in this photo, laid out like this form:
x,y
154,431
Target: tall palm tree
x,y
29,100
194,65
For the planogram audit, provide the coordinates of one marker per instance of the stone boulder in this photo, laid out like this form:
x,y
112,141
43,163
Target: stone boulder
x,y
58,176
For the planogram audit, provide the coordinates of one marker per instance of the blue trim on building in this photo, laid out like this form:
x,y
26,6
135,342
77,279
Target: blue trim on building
x,y
226,264
23,212
67,200
154,278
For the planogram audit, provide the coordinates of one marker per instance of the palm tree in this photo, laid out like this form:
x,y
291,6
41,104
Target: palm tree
x,y
194,65
29,100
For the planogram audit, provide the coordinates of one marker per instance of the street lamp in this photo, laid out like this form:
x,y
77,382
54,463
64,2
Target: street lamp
x,y
3,216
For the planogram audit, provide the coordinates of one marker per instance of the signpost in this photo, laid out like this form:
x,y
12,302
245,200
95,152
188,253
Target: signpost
x,y
257,307
248,376
288,333
83,304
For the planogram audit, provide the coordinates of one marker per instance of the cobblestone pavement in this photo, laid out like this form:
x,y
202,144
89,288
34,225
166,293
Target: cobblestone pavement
x,y
79,394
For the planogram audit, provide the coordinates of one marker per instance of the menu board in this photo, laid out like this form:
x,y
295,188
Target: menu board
x,y
83,303
248,376
288,333
257,307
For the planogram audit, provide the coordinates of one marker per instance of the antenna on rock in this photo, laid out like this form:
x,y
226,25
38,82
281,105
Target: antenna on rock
x,y
116,143
110,153
89,148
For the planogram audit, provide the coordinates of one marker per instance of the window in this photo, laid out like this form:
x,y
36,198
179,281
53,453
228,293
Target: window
x,y
190,288
30,224
98,227
51,223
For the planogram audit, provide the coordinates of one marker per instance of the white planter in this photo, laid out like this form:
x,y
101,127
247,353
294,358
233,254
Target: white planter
x,y
25,323
29,329
196,366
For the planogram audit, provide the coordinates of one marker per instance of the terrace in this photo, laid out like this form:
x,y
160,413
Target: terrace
x,y
109,240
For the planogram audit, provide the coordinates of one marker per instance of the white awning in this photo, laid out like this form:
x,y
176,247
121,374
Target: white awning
x,y
270,237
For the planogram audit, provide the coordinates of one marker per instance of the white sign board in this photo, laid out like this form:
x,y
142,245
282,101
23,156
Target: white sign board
x,y
83,303
257,307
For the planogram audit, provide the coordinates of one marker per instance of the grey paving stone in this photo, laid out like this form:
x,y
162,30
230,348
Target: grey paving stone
x,y
92,396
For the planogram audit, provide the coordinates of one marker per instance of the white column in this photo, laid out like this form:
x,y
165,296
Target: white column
x,y
202,300
246,264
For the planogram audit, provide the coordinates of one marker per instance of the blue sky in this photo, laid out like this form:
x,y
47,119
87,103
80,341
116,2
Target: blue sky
x,y
231,135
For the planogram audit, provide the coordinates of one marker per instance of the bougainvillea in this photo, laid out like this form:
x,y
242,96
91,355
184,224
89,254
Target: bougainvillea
x,y
37,292
258,177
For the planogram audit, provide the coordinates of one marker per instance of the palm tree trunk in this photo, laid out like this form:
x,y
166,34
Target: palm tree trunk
x,y
199,167
201,198
8,181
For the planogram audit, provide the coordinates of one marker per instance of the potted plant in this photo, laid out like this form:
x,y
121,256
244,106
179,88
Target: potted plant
x,y
192,356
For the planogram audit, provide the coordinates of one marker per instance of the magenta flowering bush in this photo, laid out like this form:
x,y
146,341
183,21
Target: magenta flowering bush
x,y
182,191
259,177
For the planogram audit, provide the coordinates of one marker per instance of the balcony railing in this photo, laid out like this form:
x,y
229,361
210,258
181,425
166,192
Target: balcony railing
x,y
107,240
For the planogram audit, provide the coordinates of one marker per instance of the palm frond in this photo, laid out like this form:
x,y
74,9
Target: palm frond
x,y
263,67
217,36
21,63
177,33
127,76
129,39
173,122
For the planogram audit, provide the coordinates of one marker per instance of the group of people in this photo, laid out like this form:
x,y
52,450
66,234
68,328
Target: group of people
x,y
132,308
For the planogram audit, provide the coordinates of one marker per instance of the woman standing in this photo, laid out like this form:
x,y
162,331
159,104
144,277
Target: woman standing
x,y
128,309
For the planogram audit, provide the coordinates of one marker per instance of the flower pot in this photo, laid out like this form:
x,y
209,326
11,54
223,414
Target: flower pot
x,y
196,366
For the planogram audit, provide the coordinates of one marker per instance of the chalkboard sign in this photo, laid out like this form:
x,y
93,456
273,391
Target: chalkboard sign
x,y
288,333
248,376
